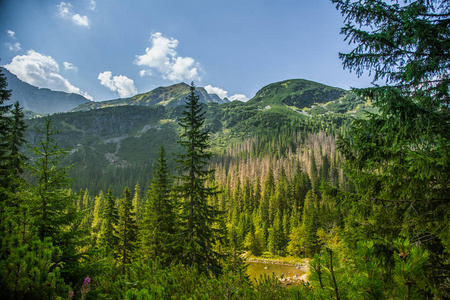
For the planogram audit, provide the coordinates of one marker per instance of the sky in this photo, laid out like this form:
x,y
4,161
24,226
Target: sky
x,y
108,49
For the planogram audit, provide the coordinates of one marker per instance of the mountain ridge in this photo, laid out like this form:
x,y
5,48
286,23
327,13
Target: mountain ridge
x,y
169,96
40,100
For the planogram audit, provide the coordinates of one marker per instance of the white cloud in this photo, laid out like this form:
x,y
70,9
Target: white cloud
x,y
224,94
11,33
215,90
120,84
81,20
239,97
92,5
69,66
65,12
41,71
13,46
162,57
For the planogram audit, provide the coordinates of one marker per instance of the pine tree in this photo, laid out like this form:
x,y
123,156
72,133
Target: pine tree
x,y
52,203
50,200
197,216
99,204
5,123
310,222
137,203
15,158
28,265
126,229
398,157
159,220
107,237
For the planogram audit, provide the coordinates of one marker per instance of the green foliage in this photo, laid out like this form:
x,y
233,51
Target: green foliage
x,y
197,216
107,237
398,157
126,229
27,263
5,123
159,223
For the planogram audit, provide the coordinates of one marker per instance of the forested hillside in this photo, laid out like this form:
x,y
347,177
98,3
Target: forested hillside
x,y
167,201
116,146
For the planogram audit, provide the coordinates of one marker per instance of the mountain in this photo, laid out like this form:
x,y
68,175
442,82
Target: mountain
x,y
306,97
40,100
166,96
117,145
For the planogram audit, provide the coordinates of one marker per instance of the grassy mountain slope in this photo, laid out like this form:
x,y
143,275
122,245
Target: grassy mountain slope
x,y
117,145
166,96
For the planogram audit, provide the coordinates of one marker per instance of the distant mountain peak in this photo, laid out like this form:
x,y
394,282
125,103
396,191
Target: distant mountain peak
x,y
297,92
172,95
40,100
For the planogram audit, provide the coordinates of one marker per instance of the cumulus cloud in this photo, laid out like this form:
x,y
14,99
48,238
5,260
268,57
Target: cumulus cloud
x,y
215,90
65,12
69,66
123,85
41,71
163,58
224,94
239,97
11,33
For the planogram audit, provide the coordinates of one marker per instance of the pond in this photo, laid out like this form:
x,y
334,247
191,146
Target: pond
x,y
291,274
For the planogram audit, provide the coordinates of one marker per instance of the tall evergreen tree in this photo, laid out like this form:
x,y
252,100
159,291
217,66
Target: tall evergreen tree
x,y
52,203
16,139
107,237
5,123
159,219
126,229
398,157
197,216
137,203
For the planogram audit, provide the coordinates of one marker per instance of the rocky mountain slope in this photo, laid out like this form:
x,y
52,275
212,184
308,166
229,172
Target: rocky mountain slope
x,y
166,96
40,100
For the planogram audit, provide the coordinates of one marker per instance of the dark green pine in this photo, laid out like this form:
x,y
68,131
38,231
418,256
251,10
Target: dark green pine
x,y
159,220
197,216
126,229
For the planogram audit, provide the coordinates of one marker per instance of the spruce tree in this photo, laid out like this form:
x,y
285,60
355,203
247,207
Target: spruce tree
x,y
197,216
107,237
137,203
159,220
398,157
16,139
52,202
126,229
5,123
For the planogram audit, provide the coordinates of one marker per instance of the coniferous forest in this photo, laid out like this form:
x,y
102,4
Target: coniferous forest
x,y
364,201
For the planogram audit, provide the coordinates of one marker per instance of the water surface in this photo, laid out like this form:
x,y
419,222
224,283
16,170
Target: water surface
x,y
257,269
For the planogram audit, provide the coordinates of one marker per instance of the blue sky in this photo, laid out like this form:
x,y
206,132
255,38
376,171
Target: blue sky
x,y
106,49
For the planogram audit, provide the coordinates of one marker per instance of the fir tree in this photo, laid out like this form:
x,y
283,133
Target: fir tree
x,y
159,220
197,216
51,200
398,158
5,123
107,237
15,158
137,203
126,229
